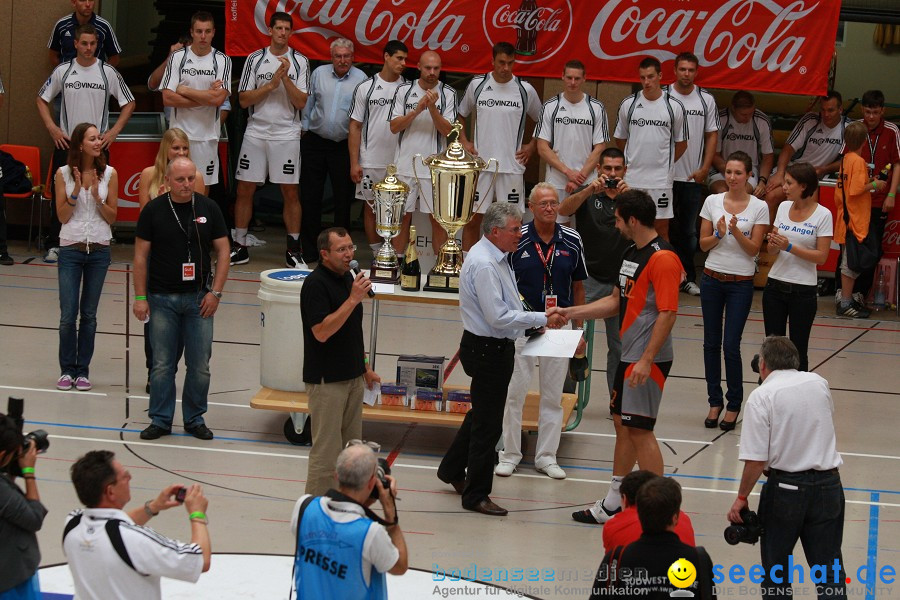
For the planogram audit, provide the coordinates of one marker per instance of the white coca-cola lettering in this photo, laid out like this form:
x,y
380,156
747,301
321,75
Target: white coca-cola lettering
x,y
891,236
432,29
131,186
662,34
539,19
325,12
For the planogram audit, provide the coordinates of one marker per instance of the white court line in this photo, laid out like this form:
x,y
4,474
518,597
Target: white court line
x,y
869,455
404,465
135,397
52,391
612,435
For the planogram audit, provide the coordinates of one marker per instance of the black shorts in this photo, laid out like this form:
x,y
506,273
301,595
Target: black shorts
x,y
638,406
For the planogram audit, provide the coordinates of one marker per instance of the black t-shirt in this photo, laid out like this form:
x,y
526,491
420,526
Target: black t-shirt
x,y
341,357
169,241
604,246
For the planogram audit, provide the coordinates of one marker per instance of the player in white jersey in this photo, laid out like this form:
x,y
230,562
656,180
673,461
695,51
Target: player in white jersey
x,y
744,128
652,131
196,83
421,113
692,169
500,102
85,85
817,139
274,87
571,133
370,142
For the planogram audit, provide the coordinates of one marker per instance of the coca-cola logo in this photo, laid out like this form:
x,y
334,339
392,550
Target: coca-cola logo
x,y
538,32
891,242
722,37
131,186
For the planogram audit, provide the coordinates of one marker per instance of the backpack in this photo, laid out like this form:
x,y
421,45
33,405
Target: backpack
x,y
15,178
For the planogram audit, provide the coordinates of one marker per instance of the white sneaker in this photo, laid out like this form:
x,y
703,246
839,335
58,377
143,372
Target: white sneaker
x,y
504,469
52,255
605,513
552,471
690,288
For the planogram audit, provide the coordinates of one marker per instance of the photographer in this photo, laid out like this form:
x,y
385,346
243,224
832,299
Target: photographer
x,y
788,434
343,549
111,553
21,516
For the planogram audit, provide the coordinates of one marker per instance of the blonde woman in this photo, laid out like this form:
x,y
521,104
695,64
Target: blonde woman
x,y
152,183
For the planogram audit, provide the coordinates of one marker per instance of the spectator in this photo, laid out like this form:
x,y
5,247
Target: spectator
x,y
339,527
111,553
21,516
743,127
63,39
625,527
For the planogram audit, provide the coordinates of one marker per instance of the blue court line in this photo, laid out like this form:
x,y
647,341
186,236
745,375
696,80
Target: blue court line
x,y
872,553
173,434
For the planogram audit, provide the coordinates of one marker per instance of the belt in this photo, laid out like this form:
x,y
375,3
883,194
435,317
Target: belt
x,y
726,276
85,246
490,341
770,472
786,287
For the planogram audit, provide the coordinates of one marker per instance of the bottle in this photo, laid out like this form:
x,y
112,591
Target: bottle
x,y
526,33
411,274
885,172
880,292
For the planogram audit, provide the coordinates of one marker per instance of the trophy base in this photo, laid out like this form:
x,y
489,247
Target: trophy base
x,y
442,282
384,275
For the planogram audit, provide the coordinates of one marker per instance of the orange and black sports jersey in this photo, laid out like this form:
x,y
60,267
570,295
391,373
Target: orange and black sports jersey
x,y
648,284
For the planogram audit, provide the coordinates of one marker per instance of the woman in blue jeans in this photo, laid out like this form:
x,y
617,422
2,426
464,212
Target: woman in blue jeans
x,y
801,239
86,193
732,228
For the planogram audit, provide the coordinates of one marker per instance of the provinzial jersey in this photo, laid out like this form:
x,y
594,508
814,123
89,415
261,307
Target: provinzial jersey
x,y
572,130
371,106
702,117
753,137
200,123
500,110
85,93
420,137
274,117
652,127
816,143
648,284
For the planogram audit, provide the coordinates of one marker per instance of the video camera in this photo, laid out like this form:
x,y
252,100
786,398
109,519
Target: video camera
x,y
747,532
15,410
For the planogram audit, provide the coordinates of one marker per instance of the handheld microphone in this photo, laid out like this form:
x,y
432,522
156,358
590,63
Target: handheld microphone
x,y
354,270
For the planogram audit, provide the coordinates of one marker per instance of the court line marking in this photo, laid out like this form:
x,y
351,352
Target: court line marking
x,y
52,391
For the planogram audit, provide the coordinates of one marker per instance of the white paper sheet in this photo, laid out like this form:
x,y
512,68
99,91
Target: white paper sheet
x,y
370,397
554,342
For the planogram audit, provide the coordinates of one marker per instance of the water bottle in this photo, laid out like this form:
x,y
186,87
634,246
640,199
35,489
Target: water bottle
x,y
880,291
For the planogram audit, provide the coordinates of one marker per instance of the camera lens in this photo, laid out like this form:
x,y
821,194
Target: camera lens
x,y
40,438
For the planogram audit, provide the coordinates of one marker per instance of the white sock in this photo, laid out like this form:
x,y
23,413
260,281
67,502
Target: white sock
x,y
613,498
294,236
240,236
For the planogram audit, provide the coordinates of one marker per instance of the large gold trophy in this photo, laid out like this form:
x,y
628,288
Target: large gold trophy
x,y
454,175
388,200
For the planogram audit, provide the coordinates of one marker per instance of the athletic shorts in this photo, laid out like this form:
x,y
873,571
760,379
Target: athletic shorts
x,y
280,159
509,187
662,197
845,267
206,156
753,180
370,178
420,197
638,406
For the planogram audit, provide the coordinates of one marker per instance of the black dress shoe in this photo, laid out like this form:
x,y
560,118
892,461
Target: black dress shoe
x,y
711,423
487,507
459,485
201,432
154,432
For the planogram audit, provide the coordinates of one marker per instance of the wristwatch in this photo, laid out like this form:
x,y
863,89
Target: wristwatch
x,y
216,294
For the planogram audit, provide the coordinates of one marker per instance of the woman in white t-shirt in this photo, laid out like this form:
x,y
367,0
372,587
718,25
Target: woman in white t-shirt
x,y
732,228
801,237
87,190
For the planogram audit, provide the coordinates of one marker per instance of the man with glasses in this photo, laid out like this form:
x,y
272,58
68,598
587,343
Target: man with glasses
x,y
550,271
335,367
492,317
360,547
111,553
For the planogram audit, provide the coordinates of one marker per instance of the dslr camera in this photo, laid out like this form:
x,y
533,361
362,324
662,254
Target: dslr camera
x,y
15,410
381,469
611,183
747,532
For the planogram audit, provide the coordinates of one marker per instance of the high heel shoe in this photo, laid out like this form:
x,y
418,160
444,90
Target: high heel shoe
x,y
710,423
729,425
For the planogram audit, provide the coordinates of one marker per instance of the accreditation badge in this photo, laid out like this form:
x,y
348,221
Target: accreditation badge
x,y
187,271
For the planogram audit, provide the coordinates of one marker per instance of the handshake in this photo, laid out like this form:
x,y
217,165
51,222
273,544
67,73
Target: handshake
x,y
557,317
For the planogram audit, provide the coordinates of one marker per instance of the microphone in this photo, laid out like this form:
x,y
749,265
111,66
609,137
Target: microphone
x,y
354,270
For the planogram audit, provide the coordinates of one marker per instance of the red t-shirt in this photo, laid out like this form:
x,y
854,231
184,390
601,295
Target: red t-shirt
x,y
884,143
625,528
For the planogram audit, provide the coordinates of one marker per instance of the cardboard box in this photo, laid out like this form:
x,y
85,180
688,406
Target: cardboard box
x,y
420,371
428,399
459,401
393,395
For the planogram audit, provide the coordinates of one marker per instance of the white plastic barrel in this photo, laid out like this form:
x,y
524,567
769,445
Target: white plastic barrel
x,y
281,339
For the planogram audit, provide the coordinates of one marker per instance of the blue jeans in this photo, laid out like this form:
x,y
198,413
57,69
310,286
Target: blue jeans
x,y
783,302
594,290
809,507
174,317
688,197
81,276
731,299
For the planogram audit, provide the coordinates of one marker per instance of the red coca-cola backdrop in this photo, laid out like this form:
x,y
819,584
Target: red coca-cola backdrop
x,y
766,45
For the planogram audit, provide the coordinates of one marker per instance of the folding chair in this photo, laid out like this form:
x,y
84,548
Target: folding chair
x,y
31,157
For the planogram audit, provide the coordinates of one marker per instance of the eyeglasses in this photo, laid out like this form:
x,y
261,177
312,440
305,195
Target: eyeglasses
x,y
375,446
547,204
343,249
515,229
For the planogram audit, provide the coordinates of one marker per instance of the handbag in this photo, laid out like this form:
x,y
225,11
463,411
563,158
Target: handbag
x,y
861,256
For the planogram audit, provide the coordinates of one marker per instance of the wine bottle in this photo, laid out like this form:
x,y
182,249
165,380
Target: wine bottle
x,y
411,274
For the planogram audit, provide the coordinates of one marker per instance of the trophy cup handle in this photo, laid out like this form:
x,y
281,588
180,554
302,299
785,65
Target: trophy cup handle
x,y
494,178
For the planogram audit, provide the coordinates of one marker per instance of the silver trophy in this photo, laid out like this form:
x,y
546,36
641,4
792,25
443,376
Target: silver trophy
x,y
387,202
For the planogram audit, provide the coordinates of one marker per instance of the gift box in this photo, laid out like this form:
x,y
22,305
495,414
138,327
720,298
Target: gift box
x,y
459,401
415,371
393,395
428,399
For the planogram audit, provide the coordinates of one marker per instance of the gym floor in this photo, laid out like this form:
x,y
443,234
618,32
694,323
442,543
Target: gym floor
x,y
253,476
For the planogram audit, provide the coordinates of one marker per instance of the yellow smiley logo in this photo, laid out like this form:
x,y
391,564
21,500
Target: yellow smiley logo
x,y
682,573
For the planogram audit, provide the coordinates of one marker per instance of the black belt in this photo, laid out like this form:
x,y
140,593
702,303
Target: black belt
x,y
500,343
85,247
788,288
770,472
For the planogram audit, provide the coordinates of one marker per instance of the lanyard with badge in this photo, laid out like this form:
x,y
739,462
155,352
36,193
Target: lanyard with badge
x,y
873,147
550,299
188,270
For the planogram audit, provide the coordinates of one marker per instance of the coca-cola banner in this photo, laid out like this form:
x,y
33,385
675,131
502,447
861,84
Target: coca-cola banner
x,y
766,45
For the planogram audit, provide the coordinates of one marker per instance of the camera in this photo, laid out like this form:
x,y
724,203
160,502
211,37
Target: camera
x,y
180,494
611,183
747,532
15,410
382,468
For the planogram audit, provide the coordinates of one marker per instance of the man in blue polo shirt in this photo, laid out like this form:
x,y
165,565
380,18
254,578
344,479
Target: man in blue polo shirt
x,y
550,270
62,39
